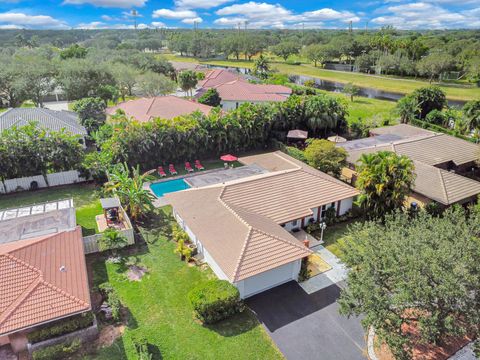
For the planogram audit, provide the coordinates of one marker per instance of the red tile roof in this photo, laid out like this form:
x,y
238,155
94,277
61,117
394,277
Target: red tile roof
x,y
239,90
165,107
42,279
217,77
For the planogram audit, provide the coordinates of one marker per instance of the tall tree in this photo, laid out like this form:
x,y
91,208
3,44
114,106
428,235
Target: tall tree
x,y
352,90
261,67
384,180
286,49
435,64
428,99
414,279
91,113
315,53
471,111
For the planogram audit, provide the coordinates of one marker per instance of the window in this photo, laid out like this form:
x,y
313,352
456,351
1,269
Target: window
x,y
294,222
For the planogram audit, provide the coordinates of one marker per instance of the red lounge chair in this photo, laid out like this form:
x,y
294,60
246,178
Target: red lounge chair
x,y
172,170
198,165
161,172
188,167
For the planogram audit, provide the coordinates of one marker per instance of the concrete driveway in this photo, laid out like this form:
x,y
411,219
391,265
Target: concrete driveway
x,y
308,326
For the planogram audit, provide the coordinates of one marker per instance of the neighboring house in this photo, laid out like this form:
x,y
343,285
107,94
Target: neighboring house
x,y
441,162
47,119
235,90
242,228
165,107
43,274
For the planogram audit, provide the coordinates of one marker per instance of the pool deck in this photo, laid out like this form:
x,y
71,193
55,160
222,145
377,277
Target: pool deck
x,y
208,178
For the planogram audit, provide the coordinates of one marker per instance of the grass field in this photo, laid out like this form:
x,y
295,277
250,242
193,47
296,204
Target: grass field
x,y
85,200
160,309
397,85
333,236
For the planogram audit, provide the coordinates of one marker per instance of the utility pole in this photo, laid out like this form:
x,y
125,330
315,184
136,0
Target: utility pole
x,y
366,26
135,15
350,27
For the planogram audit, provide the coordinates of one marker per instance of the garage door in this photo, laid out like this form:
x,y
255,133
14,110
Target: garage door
x,y
268,279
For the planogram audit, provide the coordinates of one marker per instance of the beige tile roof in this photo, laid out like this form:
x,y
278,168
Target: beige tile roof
x,y
165,107
427,151
239,90
239,222
42,279
439,149
403,130
443,186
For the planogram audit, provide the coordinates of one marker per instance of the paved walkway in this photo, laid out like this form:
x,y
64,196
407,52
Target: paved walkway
x,y
303,235
56,105
336,274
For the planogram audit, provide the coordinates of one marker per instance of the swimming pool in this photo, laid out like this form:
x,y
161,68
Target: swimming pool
x,y
165,187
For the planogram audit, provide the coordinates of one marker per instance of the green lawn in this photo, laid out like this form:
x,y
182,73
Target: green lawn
x,y
85,199
161,311
333,236
398,85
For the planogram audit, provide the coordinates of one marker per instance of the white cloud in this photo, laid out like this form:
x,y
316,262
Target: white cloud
x,y
158,24
98,25
197,20
263,14
31,21
10,27
200,4
107,18
108,3
174,14
92,25
423,15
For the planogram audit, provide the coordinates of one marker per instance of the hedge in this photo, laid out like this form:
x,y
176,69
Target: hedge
x,y
61,327
215,300
57,352
437,128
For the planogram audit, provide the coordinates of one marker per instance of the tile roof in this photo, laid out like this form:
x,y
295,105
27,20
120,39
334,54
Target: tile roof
x,y
216,77
403,130
50,120
443,186
165,107
239,90
297,134
427,150
251,211
42,279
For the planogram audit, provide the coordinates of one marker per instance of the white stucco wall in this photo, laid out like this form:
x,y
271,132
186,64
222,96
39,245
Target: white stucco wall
x,y
345,206
268,279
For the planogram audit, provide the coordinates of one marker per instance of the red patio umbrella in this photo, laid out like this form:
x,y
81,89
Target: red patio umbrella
x,y
229,158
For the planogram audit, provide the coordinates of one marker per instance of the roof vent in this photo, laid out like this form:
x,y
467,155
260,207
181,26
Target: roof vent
x,y
63,268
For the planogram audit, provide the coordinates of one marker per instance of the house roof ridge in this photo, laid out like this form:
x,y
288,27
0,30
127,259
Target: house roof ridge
x,y
53,114
444,187
298,245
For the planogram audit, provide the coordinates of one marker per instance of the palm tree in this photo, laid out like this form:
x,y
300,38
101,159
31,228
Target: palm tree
x,y
384,181
129,187
472,114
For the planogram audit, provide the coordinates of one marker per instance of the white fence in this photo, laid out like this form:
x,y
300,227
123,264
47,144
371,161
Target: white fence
x,y
90,243
56,179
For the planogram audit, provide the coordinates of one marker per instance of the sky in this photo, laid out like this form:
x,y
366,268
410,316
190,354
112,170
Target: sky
x,y
275,14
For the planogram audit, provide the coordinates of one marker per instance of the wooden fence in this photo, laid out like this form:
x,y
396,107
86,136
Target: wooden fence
x,y
27,183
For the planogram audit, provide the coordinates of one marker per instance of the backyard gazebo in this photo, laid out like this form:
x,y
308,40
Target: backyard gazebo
x,y
111,210
297,137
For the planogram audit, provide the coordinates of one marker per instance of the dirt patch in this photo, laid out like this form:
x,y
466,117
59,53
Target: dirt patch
x,y
109,334
135,272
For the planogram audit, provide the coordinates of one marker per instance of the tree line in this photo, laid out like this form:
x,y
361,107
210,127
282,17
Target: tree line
x,y
251,126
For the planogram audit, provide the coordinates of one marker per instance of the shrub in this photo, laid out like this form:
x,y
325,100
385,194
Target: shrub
x,y
109,292
210,98
215,300
112,239
184,251
140,344
57,352
61,327
296,153
304,273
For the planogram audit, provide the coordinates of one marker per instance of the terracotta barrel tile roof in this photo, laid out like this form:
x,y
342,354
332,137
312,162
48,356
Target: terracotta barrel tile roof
x,y
165,107
42,279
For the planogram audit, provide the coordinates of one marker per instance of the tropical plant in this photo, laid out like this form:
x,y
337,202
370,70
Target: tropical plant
x,y
324,113
188,80
112,239
352,90
384,180
128,185
154,84
108,93
428,99
414,279
325,156
210,98
261,67
471,111
408,109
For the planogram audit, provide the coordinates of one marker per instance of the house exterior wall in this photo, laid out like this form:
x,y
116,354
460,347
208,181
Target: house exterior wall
x,y
268,279
228,105
345,206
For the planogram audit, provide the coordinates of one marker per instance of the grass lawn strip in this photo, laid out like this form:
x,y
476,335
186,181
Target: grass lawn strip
x,y
333,236
162,313
398,85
